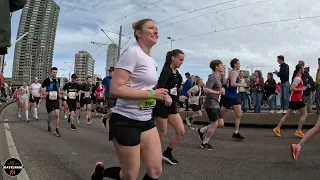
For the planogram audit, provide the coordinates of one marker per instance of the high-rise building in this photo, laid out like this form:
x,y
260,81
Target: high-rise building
x,y
33,54
112,56
83,65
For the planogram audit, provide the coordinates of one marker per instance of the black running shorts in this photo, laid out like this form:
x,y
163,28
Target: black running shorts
x,y
214,114
296,105
229,102
85,101
195,107
163,111
100,101
52,105
127,131
35,100
72,105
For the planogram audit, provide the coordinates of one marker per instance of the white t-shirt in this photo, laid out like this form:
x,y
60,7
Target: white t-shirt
x,y
195,99
143,76
35,89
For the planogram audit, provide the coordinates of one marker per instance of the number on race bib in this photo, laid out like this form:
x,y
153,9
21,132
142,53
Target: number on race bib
x,y
173,91
87,94
101,95
147,104
53,95
72,95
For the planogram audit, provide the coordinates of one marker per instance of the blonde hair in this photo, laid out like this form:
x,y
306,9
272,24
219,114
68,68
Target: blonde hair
x,y
138,26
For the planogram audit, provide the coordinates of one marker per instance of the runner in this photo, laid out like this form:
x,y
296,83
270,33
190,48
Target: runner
x,y
35,89
72,88
85,100
16,95
194,95
99,94
111,101
64,99
24,99
171,80
295,103
132,129
213,91
51,90
231,96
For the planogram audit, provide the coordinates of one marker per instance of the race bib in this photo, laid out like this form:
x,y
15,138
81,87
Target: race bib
x,y
101,95
36,94
53,95
219,98
194,100
173,91
87,94
72,95
147,104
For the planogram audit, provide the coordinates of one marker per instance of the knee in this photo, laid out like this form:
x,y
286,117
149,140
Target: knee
x,y
180,132
163,132
238,114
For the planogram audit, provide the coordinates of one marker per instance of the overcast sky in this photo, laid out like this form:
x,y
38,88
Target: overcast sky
x,y
80,22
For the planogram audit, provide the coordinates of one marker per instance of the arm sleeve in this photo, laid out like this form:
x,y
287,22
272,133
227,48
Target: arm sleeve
x,y
163,79
128,60
296,81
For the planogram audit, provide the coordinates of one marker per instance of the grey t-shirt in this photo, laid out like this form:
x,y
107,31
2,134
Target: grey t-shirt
x,y
212,100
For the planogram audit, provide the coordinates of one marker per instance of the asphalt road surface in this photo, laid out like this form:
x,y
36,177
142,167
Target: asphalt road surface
x,y
73,156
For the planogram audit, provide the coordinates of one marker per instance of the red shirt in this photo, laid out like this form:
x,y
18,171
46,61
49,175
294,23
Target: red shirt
x,y
296,96
99,93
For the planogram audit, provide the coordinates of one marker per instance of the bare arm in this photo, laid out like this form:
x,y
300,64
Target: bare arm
x,y
294,84
210,91
121,90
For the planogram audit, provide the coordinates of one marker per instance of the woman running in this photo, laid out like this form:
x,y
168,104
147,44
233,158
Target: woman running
x,y
132,128
194,95
24,99
171,80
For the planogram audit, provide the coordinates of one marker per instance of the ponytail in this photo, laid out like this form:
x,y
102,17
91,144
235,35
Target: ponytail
x,y
169,56
298,67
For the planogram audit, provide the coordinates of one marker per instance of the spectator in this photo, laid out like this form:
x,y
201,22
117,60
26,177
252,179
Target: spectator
x,y
309,83
243,98
283,74
257,91
270,89
186,87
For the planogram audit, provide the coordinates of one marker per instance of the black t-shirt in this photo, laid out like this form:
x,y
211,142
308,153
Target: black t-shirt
x,y
71,87
171,81
85,88
46,83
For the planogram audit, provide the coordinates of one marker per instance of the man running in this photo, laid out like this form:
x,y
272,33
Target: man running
x,y
295,102
51,90
213,92
72,88
110,100
35,90
85,99
231,96
99,94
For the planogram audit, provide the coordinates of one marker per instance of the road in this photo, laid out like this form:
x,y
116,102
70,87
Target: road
x,y
72,156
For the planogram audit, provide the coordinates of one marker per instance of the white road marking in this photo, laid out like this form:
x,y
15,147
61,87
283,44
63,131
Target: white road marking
x,y
13,150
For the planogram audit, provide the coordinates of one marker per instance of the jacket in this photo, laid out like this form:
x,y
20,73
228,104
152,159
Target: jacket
x,y
106,82
308,80
283,74
271,87
6,7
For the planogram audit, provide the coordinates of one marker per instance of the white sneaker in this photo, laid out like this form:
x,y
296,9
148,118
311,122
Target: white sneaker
x,y
19,115
89,122
280,112
284,112
271,111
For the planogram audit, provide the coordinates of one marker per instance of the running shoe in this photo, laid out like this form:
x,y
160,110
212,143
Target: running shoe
x,y
277,132
295,151
73,127
299,134
97,173
49,130
206,146
69,118
57,133
169,158
37,119
237,136
89,122
19,115
27,120
201,135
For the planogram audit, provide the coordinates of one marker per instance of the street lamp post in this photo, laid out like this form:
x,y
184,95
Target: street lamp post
x,y
171,39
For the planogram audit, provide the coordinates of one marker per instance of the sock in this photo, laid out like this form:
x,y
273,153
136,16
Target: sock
x,y
299,146
147,177
206,140
169,150
204,129
35,112
236,131
27,115
112,173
